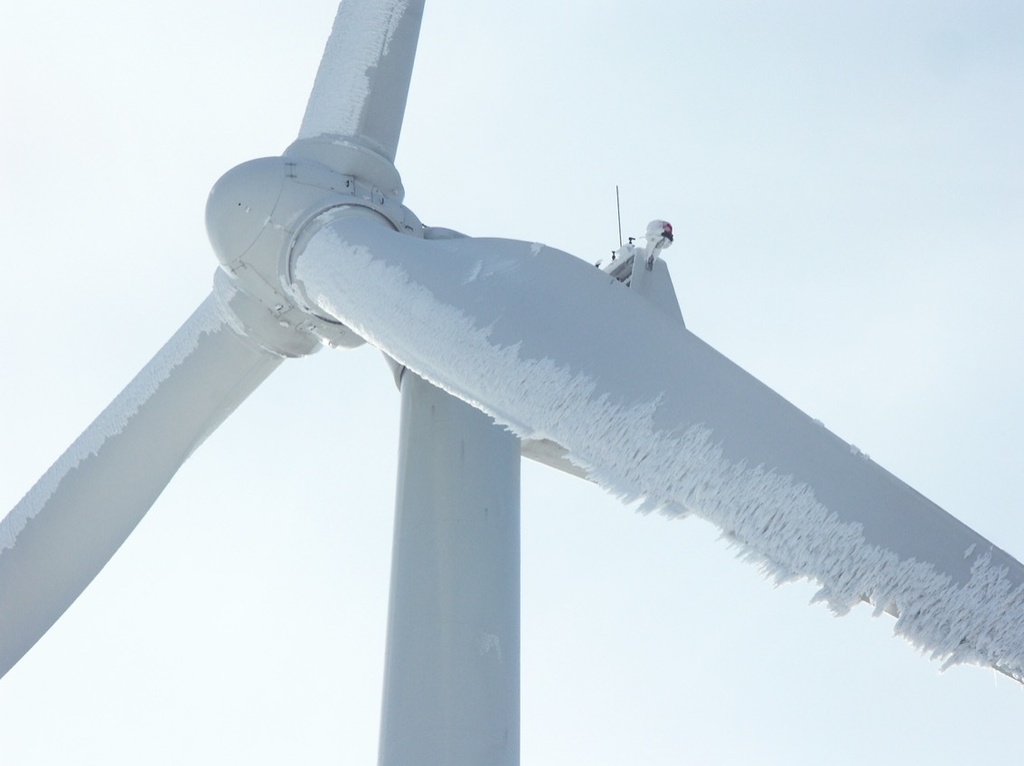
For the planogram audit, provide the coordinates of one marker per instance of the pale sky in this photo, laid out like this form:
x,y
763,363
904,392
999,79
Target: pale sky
x,y
847,186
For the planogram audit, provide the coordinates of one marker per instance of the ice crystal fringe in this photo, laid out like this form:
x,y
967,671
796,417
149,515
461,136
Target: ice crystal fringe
x,y
361,36
777,523
209,318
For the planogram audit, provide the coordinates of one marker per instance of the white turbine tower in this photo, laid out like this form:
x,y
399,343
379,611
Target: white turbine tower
x,y
493,346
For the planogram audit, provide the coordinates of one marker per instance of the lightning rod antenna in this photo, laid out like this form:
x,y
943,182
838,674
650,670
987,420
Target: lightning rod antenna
x,y
618,213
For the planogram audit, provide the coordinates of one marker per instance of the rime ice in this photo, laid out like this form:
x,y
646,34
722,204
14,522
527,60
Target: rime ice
x,y
209,318
655,415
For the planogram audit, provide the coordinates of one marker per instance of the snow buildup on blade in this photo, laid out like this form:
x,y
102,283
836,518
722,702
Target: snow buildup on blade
x,y
360,38
777,522
209,318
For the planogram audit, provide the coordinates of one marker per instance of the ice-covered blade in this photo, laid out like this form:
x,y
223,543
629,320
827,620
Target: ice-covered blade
x,y
361,87
56,540
556,349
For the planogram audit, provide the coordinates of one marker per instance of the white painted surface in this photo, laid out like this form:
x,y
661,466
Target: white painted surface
x,y
451,670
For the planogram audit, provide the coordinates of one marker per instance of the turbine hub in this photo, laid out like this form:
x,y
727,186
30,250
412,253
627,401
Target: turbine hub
x,y
254,215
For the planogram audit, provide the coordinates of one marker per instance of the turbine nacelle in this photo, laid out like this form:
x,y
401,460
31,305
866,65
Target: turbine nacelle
x,y
255,216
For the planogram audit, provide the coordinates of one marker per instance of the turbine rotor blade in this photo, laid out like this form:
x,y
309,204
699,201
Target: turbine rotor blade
x,y
556,349
362,84
56,540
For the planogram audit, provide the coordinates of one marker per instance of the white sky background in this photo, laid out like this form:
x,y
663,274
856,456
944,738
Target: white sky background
x,y
847,186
